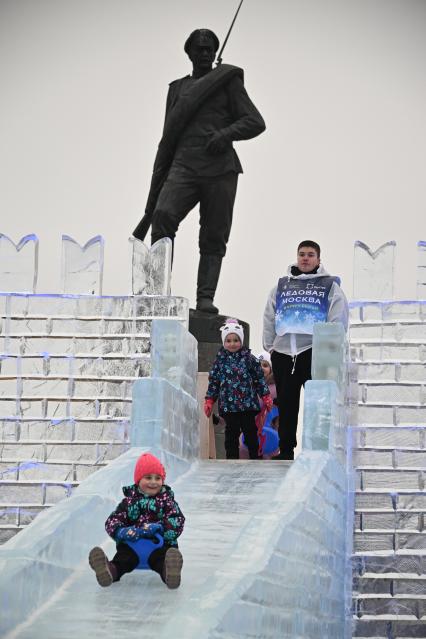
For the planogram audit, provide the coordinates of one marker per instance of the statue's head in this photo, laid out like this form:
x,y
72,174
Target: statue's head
x,y
201,47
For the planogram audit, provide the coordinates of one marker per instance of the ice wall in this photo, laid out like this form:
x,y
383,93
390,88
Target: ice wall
x,y
388,347
67,366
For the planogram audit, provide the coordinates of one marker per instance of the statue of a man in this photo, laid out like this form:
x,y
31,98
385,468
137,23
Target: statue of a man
x,y
196,162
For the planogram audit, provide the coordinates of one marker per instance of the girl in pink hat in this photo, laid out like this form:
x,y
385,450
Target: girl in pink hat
x,y
150,513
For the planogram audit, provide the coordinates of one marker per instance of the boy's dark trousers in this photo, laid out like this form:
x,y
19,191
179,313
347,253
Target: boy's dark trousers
x,y
126,560
237,423
288,385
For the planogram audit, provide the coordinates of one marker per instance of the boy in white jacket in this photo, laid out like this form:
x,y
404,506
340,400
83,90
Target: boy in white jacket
x,y
306,295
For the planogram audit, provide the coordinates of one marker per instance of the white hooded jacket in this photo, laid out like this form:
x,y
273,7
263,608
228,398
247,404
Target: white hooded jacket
x,y
294,343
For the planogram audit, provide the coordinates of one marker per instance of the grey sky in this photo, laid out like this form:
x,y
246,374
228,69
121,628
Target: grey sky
x,y
341,87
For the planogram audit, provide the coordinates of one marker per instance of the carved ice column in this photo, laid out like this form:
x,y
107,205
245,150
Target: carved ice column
x,y
18,264
421,271
165,410
374,272
326,394
329,353
82,266
174,354
151,267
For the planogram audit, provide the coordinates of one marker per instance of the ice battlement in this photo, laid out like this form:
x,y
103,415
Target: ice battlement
x,y
82,266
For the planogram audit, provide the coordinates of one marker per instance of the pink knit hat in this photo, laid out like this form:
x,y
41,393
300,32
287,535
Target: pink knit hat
x,y
147,464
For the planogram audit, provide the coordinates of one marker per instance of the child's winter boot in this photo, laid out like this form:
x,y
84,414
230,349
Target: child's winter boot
x,y
172,568
105,570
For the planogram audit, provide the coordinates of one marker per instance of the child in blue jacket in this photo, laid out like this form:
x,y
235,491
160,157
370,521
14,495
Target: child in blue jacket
x,y
237,381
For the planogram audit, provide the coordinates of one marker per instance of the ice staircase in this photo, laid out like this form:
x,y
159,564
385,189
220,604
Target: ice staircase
x,y
388,341
67,366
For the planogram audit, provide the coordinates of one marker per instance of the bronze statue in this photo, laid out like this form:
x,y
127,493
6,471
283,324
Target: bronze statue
x,y
196,162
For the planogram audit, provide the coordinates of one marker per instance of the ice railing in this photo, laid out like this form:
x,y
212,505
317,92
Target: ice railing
x,y
82,266
165,420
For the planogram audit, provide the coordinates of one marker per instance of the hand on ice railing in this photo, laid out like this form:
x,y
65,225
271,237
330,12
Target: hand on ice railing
x,y
267,402
208,406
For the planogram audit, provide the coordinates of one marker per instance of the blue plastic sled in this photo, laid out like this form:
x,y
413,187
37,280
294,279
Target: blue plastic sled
x,y
271,442
144,548
272,439
270,416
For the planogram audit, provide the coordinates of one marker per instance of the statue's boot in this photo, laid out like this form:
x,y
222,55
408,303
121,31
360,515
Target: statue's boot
x,y
208,277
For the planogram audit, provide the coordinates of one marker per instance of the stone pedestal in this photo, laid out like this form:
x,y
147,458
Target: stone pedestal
x,y
206,330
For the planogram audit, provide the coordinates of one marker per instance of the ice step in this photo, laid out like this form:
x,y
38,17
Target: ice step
x,y
375,371
36,408
66,430
386,540
388,413
403,478
390,584
391,628
385,436
40,453
393,393
389,563
80,345
390,458
406,520
87,307
401,330
387,352
131,364
402,507
408,606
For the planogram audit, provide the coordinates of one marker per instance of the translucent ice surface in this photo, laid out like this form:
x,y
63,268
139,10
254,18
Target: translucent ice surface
x,y
165,416
320,413
373,275
151,267
18,264
82,266
329,352
174,354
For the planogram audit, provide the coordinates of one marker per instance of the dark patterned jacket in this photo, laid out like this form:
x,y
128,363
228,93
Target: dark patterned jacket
x,y
137,509
237,380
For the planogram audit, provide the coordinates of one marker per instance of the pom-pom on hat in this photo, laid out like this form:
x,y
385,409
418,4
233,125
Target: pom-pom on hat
x,y
264,355
148,464
232,326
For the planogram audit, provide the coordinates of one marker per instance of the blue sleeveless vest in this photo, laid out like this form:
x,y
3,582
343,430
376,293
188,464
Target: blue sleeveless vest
x,y
301,303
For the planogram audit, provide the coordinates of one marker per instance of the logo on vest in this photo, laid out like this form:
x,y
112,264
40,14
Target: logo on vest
x,y
298,307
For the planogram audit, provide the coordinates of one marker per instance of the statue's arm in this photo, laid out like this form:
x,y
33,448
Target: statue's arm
x,y
248,123
171,98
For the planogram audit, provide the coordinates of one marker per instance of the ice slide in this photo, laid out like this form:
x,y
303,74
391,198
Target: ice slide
x,y
265,544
